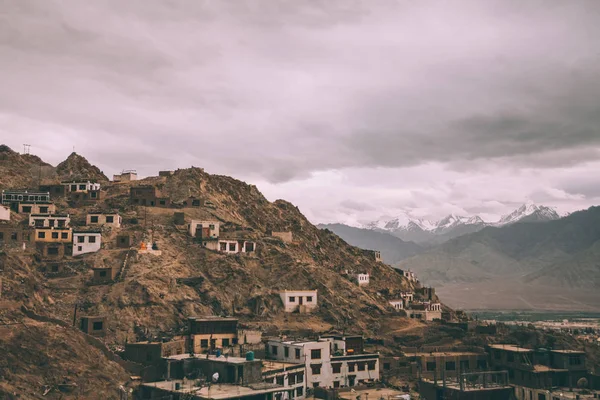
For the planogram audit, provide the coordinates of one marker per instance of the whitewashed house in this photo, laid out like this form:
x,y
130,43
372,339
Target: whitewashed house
x,y
86,242
4,213
302,301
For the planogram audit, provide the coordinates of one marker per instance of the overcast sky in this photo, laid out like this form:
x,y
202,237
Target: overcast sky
x,y
349,109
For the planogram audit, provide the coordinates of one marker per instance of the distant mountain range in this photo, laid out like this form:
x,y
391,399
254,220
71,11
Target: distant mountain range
x,y
392,249
426,232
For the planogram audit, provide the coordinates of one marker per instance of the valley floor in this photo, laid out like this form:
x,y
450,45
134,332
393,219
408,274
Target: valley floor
x,y
509,294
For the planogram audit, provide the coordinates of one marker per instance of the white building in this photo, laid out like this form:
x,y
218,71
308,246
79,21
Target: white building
x,y
100,219
81,186
330,362
408,274
4,213
204,229
49,220
397,304
303,301
86,242
362,279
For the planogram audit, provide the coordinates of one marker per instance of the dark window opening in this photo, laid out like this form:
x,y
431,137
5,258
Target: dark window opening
x,y
431,366
316,369
315,354
102,274
97,326
94,219
92,239
54,235
450,366
336,368
110,219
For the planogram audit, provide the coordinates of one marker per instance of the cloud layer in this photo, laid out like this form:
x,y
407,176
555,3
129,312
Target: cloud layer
x,y
352,109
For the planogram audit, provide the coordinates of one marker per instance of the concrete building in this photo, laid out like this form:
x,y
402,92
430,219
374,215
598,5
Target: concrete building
x,y
233,246
362,279
82,198
407,297
166,173
124,241
425,311
15,236
56,191
152,352
104,219
538,368
104,275
188,390
210,333
526,393
290,376
204,230
54,251
468,386
330,362
447,364
53,235
286,236
125,176
302,301
86,242
148,196
408,274
193,201
80,186
12,198
4,213
397,304
49,220
95,326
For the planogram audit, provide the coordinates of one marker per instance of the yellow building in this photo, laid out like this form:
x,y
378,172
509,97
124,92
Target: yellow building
x,y
212,332
53,235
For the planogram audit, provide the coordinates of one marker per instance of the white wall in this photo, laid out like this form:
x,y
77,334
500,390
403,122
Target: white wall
x,y
397,304
214,233
103,220
291,299
363,279
86,246
4,213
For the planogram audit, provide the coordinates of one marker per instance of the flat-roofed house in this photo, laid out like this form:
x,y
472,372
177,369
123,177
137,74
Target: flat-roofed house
x,y
86,242
302,301
104,219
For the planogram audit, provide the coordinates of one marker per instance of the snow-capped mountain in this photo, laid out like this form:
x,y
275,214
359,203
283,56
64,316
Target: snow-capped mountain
x,y
529,212
424,231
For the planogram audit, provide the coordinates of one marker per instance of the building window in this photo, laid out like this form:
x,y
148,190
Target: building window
x,y
14,236
286,352
225,342
351,367
92,239
162,202
450,366
315,354
464,365
300,377
2,236
297,354
497,355
54,235
386,366
79,248
102,274
110,219
292,299
232,246
315,369
41,235
54,268
81,187
64,235
309,299
431,366
541,396
316,384
204,343
279,380
80,239
299,392
94,219
274,350
371,365
27,209
97,326
574,360
361,366
249,246
336,368
44,210
336,384
223,246
93,195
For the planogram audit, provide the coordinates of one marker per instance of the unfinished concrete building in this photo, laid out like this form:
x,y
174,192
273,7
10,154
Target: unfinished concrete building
x,y
125,176
111,219
148,196
49,220
93,325
209,333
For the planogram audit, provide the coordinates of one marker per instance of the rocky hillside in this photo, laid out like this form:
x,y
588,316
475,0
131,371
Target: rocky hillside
x,y
155,295
21,170
77,167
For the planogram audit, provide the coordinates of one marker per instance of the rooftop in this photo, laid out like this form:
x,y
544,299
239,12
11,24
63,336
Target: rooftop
x,y
83,232
449,354
217,391
510,347
222,358
568,351
373,393
269,365
212,319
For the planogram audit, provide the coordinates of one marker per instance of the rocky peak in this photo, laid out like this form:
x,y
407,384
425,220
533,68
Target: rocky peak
x,y
78,167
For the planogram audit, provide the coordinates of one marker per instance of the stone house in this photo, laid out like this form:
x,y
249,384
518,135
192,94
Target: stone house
x,y
49,220
104,275
93,325
125,176
152,352
104,219
148,196
209,333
